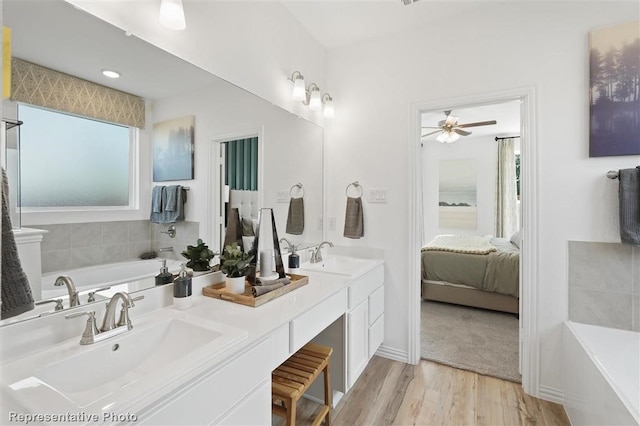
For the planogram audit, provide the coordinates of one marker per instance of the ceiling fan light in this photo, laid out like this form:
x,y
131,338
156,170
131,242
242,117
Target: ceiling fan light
x,y
442,137
452,137
172,14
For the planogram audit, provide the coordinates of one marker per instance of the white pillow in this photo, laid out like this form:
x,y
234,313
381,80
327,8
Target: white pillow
x,y
247,243
516,239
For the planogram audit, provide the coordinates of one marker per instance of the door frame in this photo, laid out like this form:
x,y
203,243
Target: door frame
x,y
215,183
529,332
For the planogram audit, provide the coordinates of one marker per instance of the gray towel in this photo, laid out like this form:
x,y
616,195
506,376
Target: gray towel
x,y
157,199
173,199
262,289
354,218
266,283
16,292
629,199
295,217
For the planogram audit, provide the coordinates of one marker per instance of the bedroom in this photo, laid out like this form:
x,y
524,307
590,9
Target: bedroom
x,y
470,278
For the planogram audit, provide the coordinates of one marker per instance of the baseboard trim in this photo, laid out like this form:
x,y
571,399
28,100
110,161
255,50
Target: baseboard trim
x,y
393,353
551,394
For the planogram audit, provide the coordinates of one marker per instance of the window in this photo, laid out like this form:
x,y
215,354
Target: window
x,y
70,161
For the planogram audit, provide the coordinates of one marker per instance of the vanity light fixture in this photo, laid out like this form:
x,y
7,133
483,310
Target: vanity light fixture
x,y
172,15
110,73
311,96
315,100
299,92
329,111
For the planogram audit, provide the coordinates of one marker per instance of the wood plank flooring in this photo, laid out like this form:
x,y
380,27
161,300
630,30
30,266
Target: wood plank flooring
x,y
393,393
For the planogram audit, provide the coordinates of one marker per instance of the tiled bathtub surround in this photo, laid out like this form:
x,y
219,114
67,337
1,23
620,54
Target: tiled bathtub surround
x,y
85,244
604,284
187,233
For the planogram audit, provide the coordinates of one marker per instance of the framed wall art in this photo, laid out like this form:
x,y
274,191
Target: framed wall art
x,y
614,91
173,147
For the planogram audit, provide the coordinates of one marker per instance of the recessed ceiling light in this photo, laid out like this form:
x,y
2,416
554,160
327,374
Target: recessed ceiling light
x,y
110,73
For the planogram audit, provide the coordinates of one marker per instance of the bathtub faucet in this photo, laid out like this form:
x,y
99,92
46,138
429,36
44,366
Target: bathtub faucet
x,y
74,300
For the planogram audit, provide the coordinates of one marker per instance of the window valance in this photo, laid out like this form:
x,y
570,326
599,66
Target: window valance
x,y
40,86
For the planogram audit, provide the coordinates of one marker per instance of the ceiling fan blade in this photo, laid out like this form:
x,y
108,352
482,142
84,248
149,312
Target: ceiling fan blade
x,y
432,133
479,123
461,132
428,127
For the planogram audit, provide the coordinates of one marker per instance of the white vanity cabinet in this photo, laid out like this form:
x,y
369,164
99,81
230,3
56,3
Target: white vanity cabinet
x,y
365,321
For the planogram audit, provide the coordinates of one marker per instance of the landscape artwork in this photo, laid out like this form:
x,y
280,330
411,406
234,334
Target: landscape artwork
x,y
615,91
458,194
173,142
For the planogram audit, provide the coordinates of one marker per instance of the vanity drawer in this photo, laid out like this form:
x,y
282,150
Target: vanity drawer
x,y
376,305
305,327
365,285
376,335
210,396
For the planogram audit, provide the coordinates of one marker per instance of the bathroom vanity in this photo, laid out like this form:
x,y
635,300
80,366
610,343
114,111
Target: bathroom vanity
x,y
210,364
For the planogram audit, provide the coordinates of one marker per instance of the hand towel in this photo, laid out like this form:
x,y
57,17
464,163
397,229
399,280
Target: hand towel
x,y
629,200
295,217
175,198
157,198
262,289
16,292
261,283
354,218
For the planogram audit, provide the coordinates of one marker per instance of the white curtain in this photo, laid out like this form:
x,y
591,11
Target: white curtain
x,y
506,195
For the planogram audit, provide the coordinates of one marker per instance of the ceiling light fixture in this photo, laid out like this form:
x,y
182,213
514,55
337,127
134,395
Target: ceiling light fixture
x,y
447,136
311,96
172,14
110,73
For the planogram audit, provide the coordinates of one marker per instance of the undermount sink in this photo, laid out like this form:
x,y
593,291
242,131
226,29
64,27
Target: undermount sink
x,y
160,351
342,265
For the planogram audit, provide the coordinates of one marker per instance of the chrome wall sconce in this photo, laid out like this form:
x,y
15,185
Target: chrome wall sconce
x,y
311,96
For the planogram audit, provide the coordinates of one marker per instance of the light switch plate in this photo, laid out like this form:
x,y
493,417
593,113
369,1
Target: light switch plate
x,y
283,196
377,195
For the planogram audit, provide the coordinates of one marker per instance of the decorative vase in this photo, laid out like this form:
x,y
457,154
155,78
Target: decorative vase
x,y
235,285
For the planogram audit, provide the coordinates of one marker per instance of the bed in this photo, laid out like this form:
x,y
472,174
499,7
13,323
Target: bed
x,y
471,270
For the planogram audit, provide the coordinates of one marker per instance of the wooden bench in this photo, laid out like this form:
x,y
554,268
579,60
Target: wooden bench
x,y
292,379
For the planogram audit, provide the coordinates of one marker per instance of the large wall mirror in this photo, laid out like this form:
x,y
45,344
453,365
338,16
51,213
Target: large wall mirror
x,y
56,35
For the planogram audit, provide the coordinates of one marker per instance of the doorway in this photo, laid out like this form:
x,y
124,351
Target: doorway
x,y
529,356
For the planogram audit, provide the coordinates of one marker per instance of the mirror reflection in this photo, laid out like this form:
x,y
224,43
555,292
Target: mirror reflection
x,y
100,248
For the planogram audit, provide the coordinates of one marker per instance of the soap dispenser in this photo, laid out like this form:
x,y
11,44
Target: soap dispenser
x,y
164,277
182,298
294,259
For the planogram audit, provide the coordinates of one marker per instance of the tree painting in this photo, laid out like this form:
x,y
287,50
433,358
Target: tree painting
x,y
173,142
615,91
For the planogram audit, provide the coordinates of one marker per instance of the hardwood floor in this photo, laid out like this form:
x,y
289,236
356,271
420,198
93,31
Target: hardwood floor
x,y
393,393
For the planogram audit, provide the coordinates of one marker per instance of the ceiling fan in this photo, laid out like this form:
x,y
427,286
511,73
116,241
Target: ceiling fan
x,y
449,130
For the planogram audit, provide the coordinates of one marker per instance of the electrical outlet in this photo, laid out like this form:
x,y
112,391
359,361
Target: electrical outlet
x,y
332,224
320,224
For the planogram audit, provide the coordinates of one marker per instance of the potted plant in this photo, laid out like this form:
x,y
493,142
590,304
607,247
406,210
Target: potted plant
x,y
235,264
199,256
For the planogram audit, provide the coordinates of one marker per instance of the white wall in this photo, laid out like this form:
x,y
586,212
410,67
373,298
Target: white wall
x,y
484,151
254,45
501,46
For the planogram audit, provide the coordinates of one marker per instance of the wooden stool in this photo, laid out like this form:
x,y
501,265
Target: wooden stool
x,y
291,379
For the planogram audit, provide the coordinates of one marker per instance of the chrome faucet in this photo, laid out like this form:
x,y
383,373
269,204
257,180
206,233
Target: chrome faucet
x,y
292,248
74,300
316,256
109,327
109,321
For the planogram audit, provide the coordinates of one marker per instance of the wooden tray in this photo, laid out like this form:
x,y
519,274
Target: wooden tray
x,y
219,291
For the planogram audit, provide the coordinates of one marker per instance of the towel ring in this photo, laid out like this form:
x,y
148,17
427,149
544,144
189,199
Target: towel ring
x,y
355,184
299,186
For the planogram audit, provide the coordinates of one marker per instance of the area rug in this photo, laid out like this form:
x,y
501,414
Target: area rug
x,y
473,339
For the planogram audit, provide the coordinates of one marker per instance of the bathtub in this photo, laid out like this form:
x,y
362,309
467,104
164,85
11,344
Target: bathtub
x,y
601,375
124,276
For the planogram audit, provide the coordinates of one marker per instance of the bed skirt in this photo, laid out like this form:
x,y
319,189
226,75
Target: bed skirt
x,y
468,296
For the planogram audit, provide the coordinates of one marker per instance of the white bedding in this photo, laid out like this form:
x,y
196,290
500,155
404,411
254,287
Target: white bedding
x,y
471,244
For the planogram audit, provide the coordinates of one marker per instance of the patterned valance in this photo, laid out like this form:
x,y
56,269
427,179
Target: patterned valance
x,y
40,86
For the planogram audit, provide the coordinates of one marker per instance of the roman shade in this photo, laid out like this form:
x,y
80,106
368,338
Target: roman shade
x,y
44,87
